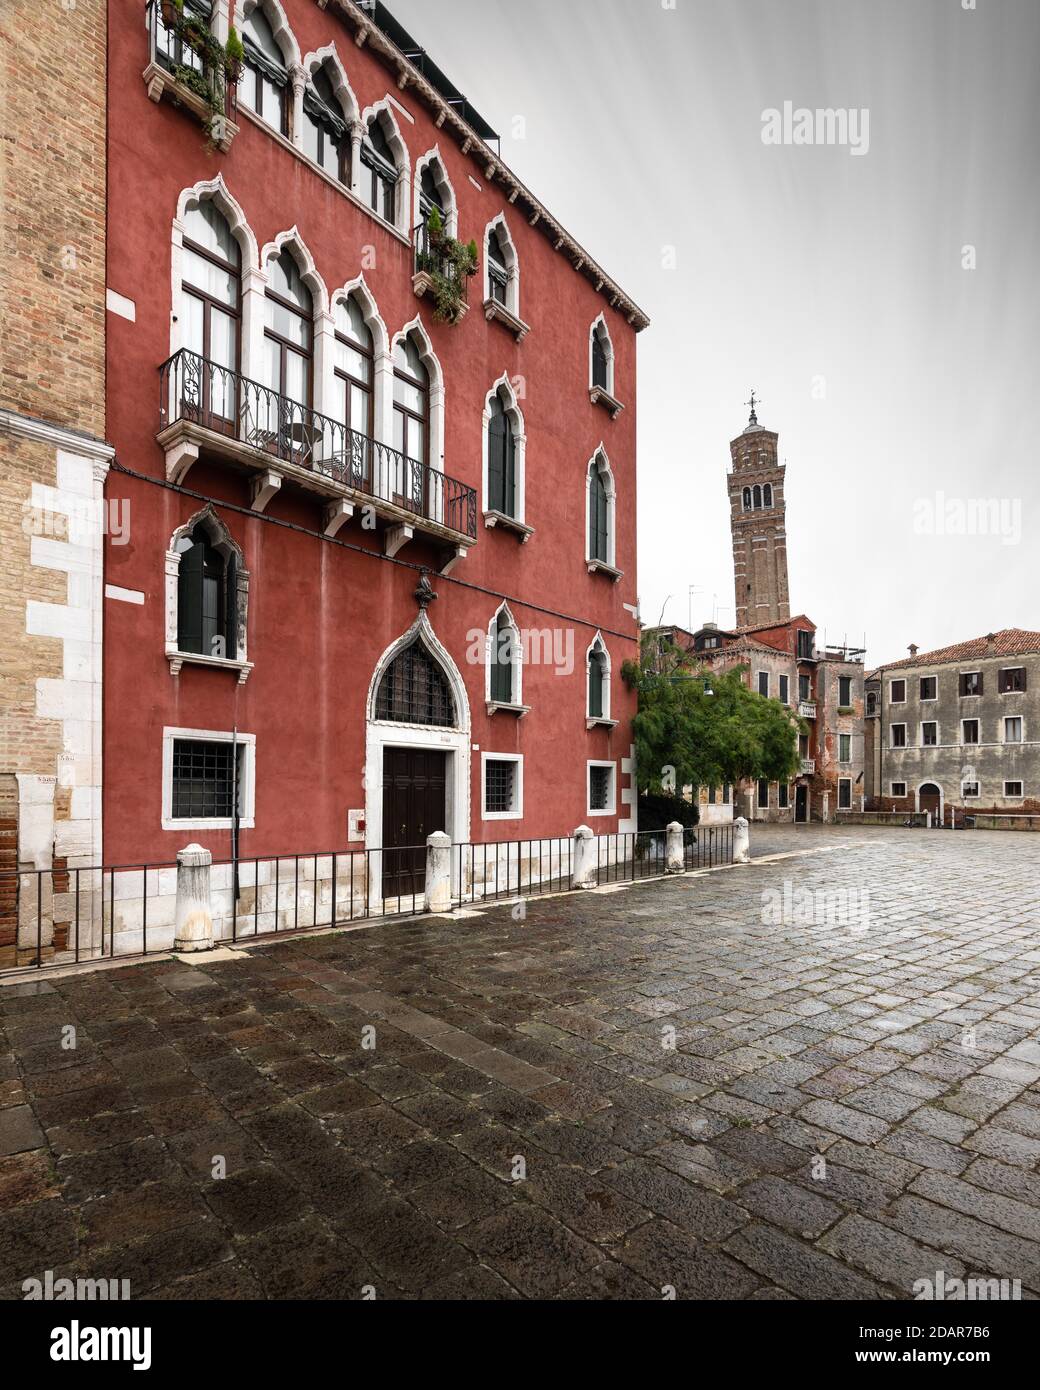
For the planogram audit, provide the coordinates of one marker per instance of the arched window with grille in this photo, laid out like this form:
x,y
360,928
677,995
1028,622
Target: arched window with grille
x,y
210,313
414,689
379,173
264,87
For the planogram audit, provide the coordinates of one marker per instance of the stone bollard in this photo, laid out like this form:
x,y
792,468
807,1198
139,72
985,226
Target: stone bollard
x,y
194,918
585,869
741,842
674,854
438,872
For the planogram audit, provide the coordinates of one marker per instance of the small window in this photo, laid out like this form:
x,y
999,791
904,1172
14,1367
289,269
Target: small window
x,y
845,691
899,789
763,795
767,496
1011,679
265,83
498,273
746,499
1013,729
602,363
378,172
970,791
415,690
783,796
871,702
206,781
601,789
969,731
711,795
898,735
844,748
929,734
1013,789
502,788
207,597
763,683
503,658
844,793
804,688
502,493
897,695
929,687
971,682
599,689
785,683
727,794
805,645
600,520
325,138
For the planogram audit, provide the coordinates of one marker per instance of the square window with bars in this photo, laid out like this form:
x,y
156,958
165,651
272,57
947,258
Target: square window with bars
x,y
601,788
499,786
204,779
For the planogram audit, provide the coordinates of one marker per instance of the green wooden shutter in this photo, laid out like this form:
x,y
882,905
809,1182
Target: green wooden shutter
x,y
502,662
189,599
231,608
596,686
597,517
497,459
509,472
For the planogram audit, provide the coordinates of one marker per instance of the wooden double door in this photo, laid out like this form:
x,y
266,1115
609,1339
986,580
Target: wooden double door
x,y
414,806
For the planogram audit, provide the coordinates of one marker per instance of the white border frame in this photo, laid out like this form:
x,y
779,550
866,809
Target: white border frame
x,y
516,419
606,717
518,812
920,733
601,762
246,788
601,461
517,667
1011,742
928,699
895,680
897,746
601,322
499,224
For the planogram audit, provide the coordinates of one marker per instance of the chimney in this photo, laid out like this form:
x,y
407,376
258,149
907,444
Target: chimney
x,y
991,643
710,627
912,649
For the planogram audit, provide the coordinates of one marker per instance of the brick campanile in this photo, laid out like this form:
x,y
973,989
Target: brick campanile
x,y
756,499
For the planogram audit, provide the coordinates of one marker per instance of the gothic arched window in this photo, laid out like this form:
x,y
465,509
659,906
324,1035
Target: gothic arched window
x,y
767,496
501,460
207,602
415,690
758,497
265,81
747,499
598,693
378,171
599,515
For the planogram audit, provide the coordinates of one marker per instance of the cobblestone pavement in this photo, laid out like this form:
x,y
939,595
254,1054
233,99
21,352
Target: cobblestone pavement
x,y
848,1106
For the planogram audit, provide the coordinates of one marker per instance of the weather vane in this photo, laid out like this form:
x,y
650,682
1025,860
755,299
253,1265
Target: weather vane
x,y
752,403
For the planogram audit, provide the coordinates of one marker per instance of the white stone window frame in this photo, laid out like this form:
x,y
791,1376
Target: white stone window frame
x,y
303,77
508,313
898,795
784,696
761,805
1014,796
844,782
444,186
517,812
383,111
968,743
515,704
960,677
758,683
897,680
223,541
246,785
967,796
503,387
323,354
1005,721
928,699
604,720
842,736
382,359
891,736
938,733
601,461
599,329
610,810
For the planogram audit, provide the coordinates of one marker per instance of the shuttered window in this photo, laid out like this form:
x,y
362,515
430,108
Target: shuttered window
x,y
501,461
598,516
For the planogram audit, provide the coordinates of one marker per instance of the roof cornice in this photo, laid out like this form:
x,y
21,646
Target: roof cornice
x,y
491,164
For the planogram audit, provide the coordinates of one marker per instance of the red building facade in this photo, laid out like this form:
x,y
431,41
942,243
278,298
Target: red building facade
x,y
378,576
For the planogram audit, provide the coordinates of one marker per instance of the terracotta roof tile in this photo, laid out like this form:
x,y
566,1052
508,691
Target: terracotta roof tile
x,y
1010,641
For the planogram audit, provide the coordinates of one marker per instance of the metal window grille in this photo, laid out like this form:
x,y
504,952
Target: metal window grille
x,y
499,786
203,780
415,690
599,788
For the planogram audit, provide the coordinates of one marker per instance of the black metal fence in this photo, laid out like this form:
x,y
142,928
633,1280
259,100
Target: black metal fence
x,y
67,916
222,400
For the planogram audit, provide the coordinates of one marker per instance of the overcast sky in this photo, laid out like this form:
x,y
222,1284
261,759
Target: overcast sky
x,y
831,282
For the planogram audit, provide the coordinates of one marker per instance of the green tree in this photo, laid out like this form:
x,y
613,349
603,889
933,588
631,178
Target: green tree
x,y
699,728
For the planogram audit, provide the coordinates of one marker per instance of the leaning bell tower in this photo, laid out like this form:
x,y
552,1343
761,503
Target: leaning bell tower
x,y
756,500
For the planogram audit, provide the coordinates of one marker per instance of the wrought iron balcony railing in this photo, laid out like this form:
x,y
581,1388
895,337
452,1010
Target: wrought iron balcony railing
x,y
203,393
807,709
183,47
808,765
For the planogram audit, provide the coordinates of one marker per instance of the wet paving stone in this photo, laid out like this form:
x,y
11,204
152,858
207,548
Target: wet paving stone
x,y
625,1093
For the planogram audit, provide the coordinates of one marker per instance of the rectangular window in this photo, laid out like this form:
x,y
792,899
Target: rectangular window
x,y
207,780
970,791
1013,729
783,795
897,693
969,731
503,787
804,688
711,796
763,795
844,691
929,734
805,645
1013,789
844,793
1012,678
763,683
898,732
899,789
727,794
971,682
601,789
844,748
929,687
785,682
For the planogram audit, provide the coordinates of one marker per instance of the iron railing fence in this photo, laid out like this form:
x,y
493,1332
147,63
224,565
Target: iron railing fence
x,y
68,916
220,399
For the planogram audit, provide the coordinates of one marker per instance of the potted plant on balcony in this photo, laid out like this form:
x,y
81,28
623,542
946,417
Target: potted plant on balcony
x,y
171,11
435,226
234,56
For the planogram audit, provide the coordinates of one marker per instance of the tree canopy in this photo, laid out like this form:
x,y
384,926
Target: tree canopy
x,y
686,736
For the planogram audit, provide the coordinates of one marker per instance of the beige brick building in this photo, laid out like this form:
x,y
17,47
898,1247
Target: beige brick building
x,y
53,458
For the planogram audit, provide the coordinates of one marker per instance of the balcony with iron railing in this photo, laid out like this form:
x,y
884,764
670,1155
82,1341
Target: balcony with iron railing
x,y
443,269
209,410
188,65
808,766
807,709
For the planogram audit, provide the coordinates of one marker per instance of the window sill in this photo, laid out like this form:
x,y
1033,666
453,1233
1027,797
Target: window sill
x,y
493,706
508,523
598,396
601,723
422,284
601,567
610,811
160,82
218,663
501,815
493,309
225,823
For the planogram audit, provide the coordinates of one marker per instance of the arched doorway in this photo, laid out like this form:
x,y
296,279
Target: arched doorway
x,y
930,798
417,760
